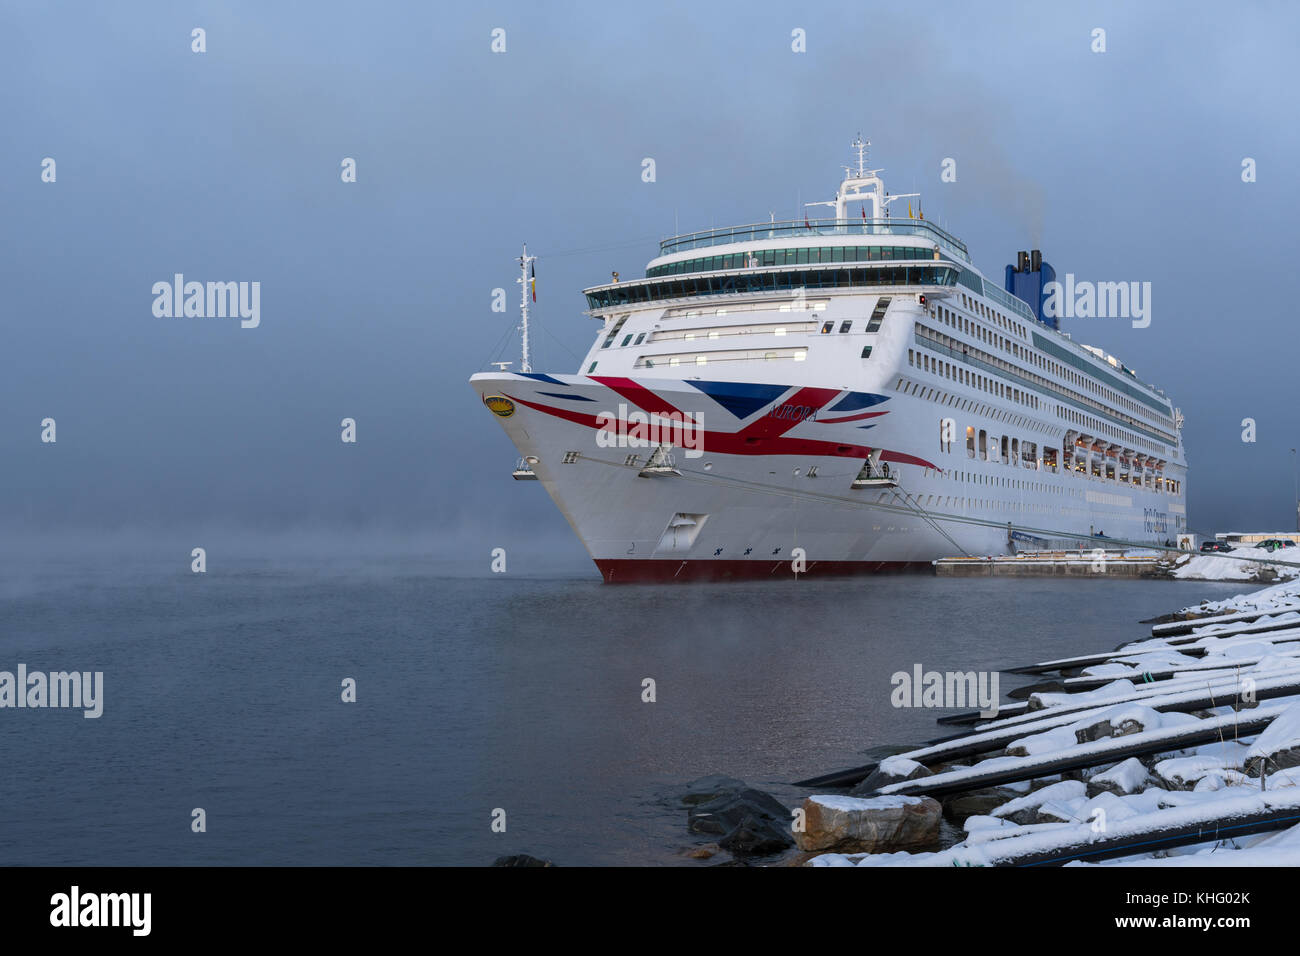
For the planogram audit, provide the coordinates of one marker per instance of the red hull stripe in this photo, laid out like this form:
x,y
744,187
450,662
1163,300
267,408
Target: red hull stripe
x,y
637,394
592,421
749,441
674,570
898,458
850,418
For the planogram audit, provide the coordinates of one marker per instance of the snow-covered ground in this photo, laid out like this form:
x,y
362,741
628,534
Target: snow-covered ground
x,y
1211,787
1243,564
1284,594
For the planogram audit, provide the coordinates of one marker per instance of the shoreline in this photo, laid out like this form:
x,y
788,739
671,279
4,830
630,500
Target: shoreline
x,y
1176,744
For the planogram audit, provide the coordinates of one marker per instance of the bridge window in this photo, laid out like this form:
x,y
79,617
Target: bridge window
x,y
609,339
799,255
627,293
878,314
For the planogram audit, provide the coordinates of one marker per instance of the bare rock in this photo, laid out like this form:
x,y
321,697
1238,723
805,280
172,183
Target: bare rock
x,y
749,821
703,852
982,802
757,836
521,859
710,788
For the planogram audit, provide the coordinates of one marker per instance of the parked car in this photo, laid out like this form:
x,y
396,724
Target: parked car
x,y
1271,544
1207,546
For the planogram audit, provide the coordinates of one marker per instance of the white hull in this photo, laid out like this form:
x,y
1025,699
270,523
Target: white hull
x,y
751,510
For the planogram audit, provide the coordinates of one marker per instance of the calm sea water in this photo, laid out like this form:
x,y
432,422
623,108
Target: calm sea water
x,y
474,692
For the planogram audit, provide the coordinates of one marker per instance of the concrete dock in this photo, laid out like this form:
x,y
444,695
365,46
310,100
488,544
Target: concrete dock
x,y
1080,563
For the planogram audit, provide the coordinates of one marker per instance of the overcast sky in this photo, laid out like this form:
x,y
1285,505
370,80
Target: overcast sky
x,y
376,295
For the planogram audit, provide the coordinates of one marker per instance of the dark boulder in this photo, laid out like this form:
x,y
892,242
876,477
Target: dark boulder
x,y
709,788
748,820
520,859
959,806
889,771
757,836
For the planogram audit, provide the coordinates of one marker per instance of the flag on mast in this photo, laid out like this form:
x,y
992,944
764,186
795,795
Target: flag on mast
x,y
532,278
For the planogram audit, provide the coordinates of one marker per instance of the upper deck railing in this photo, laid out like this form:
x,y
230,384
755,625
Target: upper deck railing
x,y
816,227
977,283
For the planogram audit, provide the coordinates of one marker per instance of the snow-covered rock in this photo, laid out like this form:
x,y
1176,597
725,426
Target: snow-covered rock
x,y
868,825
1058,738
1119,721
1140,664
1127,777
1048,699
1278,747
891,770
1024,810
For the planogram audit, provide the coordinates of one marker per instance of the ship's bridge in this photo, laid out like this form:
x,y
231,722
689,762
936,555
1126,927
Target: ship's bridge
x,y
876,250
845,230
920,276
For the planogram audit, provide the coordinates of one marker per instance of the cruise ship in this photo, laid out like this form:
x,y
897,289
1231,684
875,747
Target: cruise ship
x,y
835,396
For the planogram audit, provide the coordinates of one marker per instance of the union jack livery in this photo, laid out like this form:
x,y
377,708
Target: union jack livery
x,y
836,396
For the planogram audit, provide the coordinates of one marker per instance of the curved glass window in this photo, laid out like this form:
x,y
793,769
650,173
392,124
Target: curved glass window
x,y
632,293
794,256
